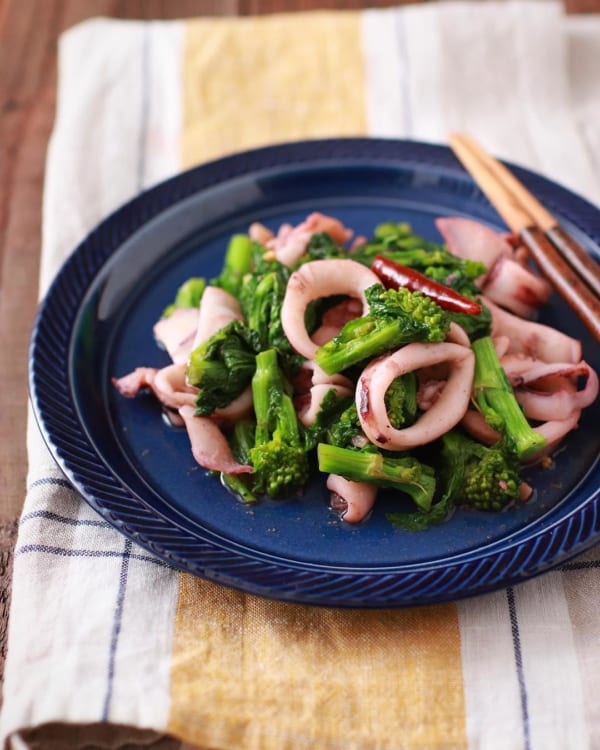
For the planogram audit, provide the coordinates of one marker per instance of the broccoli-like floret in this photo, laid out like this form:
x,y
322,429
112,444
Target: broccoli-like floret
x,y
462,280
189,294
279,458
238,261
475,326
321,246
261,297
493,481
395,317
471,475
394,231
346,432
262,260
401,400
222,366
479,476
460,276
399,243
405,474
496,400
331,413
392,237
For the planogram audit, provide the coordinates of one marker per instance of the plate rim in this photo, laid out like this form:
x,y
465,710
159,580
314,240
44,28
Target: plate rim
x,y
288,582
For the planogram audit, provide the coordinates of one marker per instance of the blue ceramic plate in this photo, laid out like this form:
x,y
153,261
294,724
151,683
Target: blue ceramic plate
x,y
138,472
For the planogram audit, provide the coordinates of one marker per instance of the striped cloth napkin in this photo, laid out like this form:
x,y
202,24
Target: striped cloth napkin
x,y
110,646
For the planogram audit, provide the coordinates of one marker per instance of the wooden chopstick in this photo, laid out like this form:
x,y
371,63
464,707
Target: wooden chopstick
x,y
570,270
574,254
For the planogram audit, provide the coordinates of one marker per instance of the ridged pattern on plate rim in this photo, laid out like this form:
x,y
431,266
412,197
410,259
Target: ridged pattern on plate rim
x,y
289,580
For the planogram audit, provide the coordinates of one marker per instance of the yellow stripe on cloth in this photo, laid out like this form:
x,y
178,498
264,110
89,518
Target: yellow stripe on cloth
x,y
256,81
247,672
260,675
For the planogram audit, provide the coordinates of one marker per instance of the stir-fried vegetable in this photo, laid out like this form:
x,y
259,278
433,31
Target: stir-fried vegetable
x,y
278,455
389,361
405,474
395,317
495,397
394,276
222,366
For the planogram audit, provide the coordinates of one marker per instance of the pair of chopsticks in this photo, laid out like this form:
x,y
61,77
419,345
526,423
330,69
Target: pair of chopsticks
x,y
571,271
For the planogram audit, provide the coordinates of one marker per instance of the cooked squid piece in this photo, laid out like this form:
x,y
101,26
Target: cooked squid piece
x,y
513,286
508,281
554,430
176,333
217,309
352,501
171,388
209,445
167,384
458,335
260,233
131,384
240,407
428,392
314,280
550,391
335,319
447,411
471,240
290,243
311,385
474,423
533,339
311,374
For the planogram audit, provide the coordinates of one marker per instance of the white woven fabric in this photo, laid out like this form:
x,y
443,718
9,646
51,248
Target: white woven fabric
x,y
526,81
68,611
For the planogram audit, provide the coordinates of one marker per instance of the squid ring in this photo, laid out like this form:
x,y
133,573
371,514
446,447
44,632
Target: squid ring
x,y
316,279
447,411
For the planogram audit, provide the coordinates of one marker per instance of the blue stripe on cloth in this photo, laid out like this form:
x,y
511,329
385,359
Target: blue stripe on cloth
x,y
66,552
583,565
49,515
55,481
117,621
516,637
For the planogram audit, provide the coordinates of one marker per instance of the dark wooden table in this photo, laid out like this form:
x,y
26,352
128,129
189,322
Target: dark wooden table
x,y
29,30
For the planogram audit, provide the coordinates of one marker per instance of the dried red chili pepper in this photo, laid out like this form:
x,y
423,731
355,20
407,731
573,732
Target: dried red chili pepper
x,y
395,275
